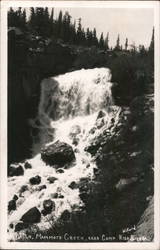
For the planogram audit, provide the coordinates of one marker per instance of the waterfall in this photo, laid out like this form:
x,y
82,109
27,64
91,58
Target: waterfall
x,y
68,110
73,96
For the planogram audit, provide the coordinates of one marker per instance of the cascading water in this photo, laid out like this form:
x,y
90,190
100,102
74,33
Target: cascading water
x,y
68,110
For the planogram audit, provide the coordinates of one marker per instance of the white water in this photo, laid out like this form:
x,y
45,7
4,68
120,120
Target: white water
x,y
69,104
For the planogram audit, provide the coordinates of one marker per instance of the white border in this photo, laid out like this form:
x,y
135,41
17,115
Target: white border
x,y
3,125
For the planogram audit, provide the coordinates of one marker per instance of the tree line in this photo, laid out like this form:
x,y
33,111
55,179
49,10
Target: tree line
x,y
41,22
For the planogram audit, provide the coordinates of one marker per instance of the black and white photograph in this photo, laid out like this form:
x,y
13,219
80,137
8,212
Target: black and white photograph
x,y
81,148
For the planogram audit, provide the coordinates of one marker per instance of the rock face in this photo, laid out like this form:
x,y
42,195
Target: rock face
x,y
58,153
15,170
33,215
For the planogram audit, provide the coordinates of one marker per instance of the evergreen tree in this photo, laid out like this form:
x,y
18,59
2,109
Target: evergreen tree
x,y
95,40
117,47
79,32
101,41
126,44
151,46
107,42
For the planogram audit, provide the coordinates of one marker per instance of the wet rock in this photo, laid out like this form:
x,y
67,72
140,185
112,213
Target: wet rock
x,y
41,187
20,226
75,141
100,123
58,153
11,225
15,170
27,165
23,189
65,216
35,180
60,196
125,182
54,195
11,205
33,215
75,130
73,185
60,171
51,179
100,114
15,197
48,206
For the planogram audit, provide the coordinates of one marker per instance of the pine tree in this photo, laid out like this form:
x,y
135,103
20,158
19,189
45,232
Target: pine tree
x,y
101,41
79,32
107,42
126,44
151,46
95,40
117,47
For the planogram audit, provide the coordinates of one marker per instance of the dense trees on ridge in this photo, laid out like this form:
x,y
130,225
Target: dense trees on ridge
x,y
41,22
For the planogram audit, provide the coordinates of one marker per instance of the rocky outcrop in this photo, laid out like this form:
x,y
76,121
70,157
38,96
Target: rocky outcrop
x,y
57,154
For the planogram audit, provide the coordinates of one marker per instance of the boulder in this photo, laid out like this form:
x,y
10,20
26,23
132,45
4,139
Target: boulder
x,y
23,189
48,206
58,153
100,114
27,165
33,215
75,130
35,180
15,197
39,188
60,171
73,185
15,170
65,216
51,179
20,226
11,205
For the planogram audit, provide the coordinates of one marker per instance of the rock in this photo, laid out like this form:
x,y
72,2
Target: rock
x,y
60,171
35,180
60,196
65,216
41,187
75,130
73,185
27,165
58,153
11,225
51,179
54,195
23,189
100,114
15,197
33,215
48,206
11,205
100,123
20,226
124,182
15,170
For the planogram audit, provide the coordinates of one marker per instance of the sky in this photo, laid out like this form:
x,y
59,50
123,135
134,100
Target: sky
x,y
135,24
